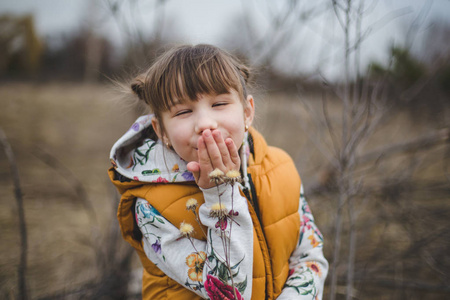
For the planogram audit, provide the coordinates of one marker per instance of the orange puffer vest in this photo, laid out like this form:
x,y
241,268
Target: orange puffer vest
x,y
274,212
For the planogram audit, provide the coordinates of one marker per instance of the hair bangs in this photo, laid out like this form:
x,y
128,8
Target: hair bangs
x,y
189,76
186,72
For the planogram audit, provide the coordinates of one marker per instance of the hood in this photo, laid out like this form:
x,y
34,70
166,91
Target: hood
x,y
140,158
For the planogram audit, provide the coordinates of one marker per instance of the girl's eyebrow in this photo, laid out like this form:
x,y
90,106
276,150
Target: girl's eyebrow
x,y
224,95
178,102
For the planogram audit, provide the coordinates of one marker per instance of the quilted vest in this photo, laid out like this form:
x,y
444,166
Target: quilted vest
x,y
273,209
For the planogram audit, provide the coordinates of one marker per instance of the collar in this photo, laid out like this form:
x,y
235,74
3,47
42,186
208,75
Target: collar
x,y
140,158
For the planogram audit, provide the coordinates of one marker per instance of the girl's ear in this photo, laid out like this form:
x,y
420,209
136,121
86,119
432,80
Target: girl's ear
x,y
249,110
157,128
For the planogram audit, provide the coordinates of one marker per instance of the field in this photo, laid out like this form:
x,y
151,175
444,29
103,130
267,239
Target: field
x,y
61,134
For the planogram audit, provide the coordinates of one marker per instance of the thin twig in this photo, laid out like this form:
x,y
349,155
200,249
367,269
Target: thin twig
x,y
328,123
22,268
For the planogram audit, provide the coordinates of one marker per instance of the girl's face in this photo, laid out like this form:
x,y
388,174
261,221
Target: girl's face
x,y
185,122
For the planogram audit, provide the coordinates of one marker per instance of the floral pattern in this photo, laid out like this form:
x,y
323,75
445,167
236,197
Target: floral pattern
x,y
160,180
149,212
314,241
307,224
141,157
195,262
217,290
204,269
148,215
219,270
315,267
156,246
302,280
151,172
188,176
175,256
140,163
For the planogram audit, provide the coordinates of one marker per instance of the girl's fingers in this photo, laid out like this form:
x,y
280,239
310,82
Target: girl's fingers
x,y
223,149
194,168
234,153
203,156
203,167
213,150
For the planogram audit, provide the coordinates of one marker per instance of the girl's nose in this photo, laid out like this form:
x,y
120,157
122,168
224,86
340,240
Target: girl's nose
x,y
204,122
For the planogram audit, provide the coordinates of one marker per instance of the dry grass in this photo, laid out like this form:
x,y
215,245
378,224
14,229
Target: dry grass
x,y
77,125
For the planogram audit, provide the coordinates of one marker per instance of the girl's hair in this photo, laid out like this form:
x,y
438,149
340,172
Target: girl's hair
x,y
185,72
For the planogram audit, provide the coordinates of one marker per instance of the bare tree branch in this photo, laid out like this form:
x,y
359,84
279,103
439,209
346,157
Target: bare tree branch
x,y
22,268
328,123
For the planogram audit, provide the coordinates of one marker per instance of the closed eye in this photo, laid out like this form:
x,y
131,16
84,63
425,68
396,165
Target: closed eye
x,y
220,104
183,112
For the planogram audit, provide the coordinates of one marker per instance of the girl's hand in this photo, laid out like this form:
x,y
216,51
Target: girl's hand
x,y
213,152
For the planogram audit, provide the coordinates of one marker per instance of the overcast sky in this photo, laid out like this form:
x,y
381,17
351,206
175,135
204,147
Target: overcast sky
x,y
209,21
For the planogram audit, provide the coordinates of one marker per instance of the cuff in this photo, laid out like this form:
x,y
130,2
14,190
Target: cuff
x,y
225,191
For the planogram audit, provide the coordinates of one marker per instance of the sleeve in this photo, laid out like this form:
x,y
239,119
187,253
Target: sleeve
x,y
308,267
204,266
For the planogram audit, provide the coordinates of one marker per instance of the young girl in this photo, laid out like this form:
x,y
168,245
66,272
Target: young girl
x,y
200,231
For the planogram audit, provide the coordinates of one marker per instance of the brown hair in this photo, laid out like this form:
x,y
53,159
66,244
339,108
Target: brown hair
x,y
185,72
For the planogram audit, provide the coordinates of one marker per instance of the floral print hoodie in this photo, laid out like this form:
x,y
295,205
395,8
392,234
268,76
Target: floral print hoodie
x,y
219,267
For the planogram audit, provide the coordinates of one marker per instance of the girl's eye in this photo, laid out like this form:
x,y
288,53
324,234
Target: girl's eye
x,y
220,104
182,112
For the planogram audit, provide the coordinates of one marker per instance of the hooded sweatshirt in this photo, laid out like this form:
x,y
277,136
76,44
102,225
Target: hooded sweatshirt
x,y
266,239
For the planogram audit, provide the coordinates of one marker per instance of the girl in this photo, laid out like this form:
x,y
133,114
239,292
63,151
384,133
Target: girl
x,y
200,232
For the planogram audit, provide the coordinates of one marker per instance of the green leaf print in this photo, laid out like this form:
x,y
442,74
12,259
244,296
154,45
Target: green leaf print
x,y
303,283
140,157
241,286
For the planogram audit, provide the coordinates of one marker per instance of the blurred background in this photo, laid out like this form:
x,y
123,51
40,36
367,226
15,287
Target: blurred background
x,y
357,92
